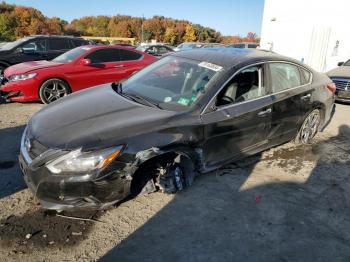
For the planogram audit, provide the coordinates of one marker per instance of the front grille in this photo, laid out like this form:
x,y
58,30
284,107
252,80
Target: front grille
x,y
342,84
36,149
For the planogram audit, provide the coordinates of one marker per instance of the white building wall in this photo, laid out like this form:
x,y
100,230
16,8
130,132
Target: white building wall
x,y
314,31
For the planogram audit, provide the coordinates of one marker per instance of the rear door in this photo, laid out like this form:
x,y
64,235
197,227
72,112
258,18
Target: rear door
x,y
292,99
130,62
239,119
58,46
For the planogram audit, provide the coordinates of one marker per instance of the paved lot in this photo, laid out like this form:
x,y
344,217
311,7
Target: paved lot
x,y
291,203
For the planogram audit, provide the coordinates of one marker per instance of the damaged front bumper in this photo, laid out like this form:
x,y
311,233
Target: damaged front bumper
x,y
67,192
18,91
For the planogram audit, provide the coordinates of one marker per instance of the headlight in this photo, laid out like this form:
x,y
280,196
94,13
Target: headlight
x,y
22,77
78,161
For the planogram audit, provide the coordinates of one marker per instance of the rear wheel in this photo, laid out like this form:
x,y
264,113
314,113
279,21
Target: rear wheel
x,y
309,128
52,90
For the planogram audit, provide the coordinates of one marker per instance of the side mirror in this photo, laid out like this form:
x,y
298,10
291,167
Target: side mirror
x,y
27,51
85,62
340,63
19,50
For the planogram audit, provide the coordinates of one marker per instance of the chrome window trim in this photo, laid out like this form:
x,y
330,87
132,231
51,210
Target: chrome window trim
x,y
255,64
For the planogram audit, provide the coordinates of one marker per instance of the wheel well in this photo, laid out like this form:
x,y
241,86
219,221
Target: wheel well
x,y
322,110
147,170
62,79
4,63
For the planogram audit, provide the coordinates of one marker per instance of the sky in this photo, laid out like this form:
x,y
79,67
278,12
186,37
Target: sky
x,y
230,17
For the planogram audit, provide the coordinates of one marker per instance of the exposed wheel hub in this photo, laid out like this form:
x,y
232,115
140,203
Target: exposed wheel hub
x,y
170,179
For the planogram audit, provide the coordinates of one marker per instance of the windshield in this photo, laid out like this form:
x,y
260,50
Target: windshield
x,y
71,55
11,45
173,83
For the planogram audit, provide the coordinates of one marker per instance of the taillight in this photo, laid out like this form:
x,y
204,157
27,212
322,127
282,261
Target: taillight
x,y
331,87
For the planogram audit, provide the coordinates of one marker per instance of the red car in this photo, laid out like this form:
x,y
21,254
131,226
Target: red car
x,y
72,71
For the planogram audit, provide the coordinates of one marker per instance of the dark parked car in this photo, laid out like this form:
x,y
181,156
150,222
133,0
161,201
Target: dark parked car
x,y
32,48
341,78
187,113
244,45
155,50
189,46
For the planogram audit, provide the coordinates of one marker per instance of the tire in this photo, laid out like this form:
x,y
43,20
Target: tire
x,y
309,128
52,90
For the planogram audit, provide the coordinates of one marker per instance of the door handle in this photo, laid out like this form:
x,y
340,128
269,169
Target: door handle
x,y
119,66
265,112
306,97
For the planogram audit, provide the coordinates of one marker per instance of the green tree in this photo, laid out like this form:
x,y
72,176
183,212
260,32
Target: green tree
x,y
7,27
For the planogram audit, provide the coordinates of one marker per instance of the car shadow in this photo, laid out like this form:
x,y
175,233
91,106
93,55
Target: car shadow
x,y
11,180
233,215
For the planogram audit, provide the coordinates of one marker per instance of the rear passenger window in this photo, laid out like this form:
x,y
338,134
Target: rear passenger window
x,y
126,55
59,44
284,76
306,75
104,56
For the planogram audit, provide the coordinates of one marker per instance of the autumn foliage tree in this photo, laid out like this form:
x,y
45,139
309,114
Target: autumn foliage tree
x,y
190,35
19,21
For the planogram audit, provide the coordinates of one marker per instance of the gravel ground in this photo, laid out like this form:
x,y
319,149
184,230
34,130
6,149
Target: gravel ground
x,y
290,203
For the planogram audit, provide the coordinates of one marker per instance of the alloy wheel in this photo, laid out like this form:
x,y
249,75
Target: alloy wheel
x,y
54,91
310,127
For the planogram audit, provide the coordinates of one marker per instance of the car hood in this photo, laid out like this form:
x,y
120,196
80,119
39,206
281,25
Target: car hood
x,y
342,71
26,67
4,51
94,118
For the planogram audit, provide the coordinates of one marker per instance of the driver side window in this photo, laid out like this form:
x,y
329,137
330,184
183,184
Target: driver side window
x,y
247,85
35,46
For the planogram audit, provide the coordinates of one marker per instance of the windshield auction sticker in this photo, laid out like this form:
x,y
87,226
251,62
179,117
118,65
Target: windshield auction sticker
x,y
210,66
183,101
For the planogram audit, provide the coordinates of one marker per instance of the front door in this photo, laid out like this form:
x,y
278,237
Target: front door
x,y
239,119
30,51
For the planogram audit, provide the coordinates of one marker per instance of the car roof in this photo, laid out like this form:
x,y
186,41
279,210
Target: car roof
x,y
108,46
96,47
229,57
56,36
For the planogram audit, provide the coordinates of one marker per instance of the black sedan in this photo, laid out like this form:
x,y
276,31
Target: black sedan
x,y
188,113
155,50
